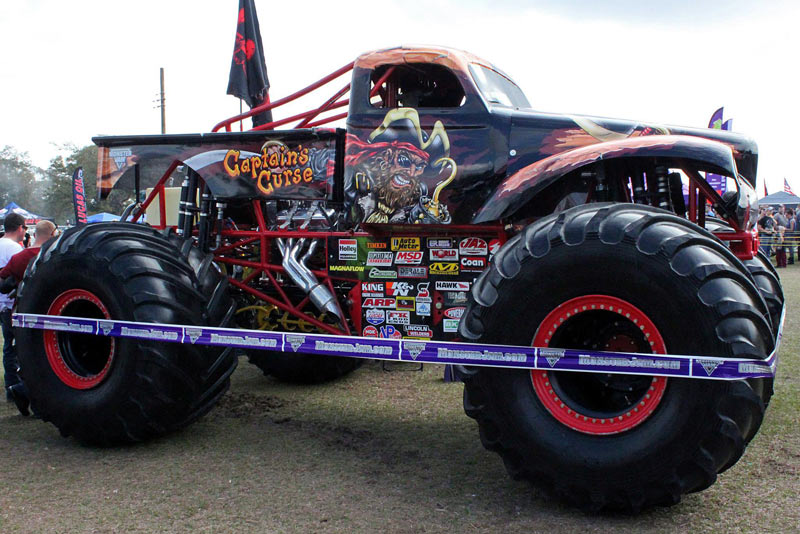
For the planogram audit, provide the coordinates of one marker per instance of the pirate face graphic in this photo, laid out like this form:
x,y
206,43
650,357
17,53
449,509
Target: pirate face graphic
x,y
389,174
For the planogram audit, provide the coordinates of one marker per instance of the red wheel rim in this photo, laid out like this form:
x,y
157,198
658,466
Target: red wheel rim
x,y
623,318
72,366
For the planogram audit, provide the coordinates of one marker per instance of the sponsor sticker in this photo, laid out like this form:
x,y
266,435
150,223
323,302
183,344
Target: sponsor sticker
x,y
424,309
405,243
346,268
440,242
376,245
372,287
454,313
454,298
405,303
451,286
380,259
473,263
444,268
423,294
390,332
378,303
450,325
443,254
396,289
398,317
494,246
375,316
408,257
348,249
412,272
414,349
381,273
370,331
419,331
473,246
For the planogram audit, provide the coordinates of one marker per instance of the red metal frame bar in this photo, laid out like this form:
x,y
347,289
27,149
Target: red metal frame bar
x,y
158,190
329,104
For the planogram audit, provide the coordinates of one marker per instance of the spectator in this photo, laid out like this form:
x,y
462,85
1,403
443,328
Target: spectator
x,y
766,230
780,217
14,226
791,235
15,271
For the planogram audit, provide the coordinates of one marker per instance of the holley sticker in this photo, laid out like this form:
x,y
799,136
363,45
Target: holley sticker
x,y
348,250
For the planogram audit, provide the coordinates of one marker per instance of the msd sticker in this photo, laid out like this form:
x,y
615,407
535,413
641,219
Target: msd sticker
x,y
379,259
348,250
473,246
398,317
408,257
444,254
375,316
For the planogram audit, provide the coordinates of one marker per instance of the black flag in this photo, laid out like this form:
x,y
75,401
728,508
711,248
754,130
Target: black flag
x,y
248,79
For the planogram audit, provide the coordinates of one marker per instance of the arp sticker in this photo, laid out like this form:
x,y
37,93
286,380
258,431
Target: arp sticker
x,y
443,268
390,332
412,272
375,316
473,246
348,250
405,243
398,317
473,263
454,313
451,286
408,257
398,289
450,325
440,242
378,303
424,309
443,254
370,331
405,303
379,259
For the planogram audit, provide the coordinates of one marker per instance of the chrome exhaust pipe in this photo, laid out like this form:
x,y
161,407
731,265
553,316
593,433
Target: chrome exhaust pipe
x,y
299,272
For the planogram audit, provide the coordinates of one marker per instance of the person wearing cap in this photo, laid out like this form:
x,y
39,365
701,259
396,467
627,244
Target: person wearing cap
x,y
14,226
766,229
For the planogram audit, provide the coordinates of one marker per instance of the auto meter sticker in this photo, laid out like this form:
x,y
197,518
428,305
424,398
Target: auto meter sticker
x,y
378,303
450,325
405,303
454,313
381,273
443,254
440,242
451,286
412,272
405,243
391,332
370,331
398,289
424,309
375,316
473,263
408,257
444,268
379,259
398,317
473,246
348,249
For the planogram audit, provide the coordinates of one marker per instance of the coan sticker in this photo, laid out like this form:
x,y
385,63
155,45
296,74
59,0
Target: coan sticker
x,y
454,313
348,250
398,317
450,325
370,331
381,273
440,242
405,243
390,332
412,272
473,263
378,303
408,257
398,289
443,268
443,254
375,316
405,303
473,246
379,259
451,286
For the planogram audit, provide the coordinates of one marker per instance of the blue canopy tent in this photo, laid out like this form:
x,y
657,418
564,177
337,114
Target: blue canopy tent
x,y
30,218
102,217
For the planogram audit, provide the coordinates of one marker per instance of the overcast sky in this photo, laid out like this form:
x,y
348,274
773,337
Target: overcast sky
x,y
71,70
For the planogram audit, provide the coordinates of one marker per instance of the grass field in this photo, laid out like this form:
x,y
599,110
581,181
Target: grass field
x,y
376,452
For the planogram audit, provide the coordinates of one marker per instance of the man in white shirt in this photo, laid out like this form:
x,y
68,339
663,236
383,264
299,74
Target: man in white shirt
x,y
15,228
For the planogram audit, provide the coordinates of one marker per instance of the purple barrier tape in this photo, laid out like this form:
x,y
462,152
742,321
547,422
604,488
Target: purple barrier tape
x,y
438,352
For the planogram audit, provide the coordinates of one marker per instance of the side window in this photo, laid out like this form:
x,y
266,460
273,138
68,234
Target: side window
x,y
416,86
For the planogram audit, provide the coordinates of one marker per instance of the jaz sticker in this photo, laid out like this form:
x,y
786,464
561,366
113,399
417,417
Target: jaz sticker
x,y
398,317
379,259
450,325
473,246
451,286
408,257
375,316
405,303
443,254
370,331
378,303
348,250
390,332
398,289
454,313
424,309
405,243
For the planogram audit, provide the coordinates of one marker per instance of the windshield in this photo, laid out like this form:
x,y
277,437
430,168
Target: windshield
x,y
497,89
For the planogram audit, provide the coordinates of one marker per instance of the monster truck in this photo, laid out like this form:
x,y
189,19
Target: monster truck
x,y
617,348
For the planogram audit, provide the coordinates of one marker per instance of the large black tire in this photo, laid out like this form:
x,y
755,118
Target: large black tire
x,y
105,391
695,298
303,368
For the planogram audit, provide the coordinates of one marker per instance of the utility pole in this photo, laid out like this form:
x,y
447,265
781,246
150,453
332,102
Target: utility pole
x,y
163,110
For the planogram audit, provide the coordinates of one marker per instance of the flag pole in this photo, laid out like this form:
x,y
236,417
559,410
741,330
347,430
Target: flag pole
x,y
241,121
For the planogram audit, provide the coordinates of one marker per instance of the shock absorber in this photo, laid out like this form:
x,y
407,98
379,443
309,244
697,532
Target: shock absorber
x,y
662,188
637,181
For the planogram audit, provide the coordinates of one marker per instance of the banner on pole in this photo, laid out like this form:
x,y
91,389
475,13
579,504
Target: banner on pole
x,y
79,197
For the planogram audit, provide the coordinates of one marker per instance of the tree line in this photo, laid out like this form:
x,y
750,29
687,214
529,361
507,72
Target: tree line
x,y
48,192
